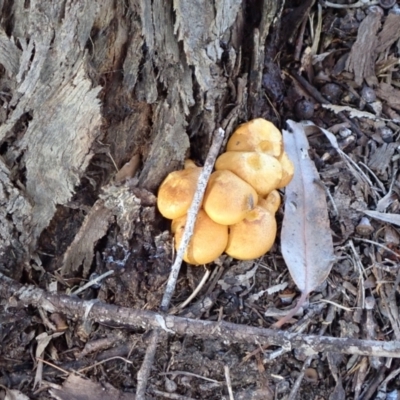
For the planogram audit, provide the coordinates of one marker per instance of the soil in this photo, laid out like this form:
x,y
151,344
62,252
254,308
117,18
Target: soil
x,y
318,59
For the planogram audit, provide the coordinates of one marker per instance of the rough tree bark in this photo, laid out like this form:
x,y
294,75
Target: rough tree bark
x,y
87,84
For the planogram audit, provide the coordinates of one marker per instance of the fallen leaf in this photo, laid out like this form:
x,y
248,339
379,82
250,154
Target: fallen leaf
x,y
273,289
13,394
236,277
306,238
77,388
354,113
385,217
42,341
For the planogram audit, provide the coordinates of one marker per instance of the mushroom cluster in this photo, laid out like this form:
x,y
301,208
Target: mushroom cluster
x,y
237,215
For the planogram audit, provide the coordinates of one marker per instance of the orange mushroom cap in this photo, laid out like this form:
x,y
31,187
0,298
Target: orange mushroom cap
x,y
287,170
262,171
271,203
176,193
257,135
208,242
228,198
252,237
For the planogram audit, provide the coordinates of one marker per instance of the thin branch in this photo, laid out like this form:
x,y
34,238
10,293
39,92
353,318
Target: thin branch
x,y
191,217
145,368
197,290
144,372
24,296
94,281
228,382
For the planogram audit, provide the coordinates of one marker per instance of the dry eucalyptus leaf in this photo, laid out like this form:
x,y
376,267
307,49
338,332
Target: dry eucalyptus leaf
x,y
306,238
354,113
13,394
385,217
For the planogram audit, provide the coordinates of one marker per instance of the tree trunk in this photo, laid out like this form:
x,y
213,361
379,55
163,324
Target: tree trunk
x,y
88,86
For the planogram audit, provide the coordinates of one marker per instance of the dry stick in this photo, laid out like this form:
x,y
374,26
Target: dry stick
x,y
174,396
145,369
358,4
191,217
328,321
195,291
228,382
321,99
74,307
92,282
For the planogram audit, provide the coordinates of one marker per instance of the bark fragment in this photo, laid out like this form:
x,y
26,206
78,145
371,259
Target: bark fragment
x,y
389,94
53,87
361,60
389,33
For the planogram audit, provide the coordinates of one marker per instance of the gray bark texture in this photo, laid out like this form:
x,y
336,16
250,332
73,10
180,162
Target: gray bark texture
x,y
81,79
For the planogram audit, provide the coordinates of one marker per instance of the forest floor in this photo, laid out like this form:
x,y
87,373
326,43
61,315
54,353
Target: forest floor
x,y
347,83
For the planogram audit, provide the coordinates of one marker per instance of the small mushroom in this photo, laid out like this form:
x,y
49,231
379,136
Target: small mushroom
x,y
177,191
287,170
311,375
262,171
253,236
257,135
272,202
364,227
228,198
208,241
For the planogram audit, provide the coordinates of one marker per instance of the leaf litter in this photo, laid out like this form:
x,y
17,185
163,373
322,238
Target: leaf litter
x,y
307,245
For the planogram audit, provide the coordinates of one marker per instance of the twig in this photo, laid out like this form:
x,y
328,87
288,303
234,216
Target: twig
x,y
299,41
53,366
321,99
144,372
166,395
92,282
361,272
191,217
186,373
380,184
358,4
74,307
103,361
197,290
379,245
145,368
228,382
296,386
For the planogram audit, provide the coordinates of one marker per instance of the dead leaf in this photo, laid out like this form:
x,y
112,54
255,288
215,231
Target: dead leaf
x,y
385,217
77,388
389,94
240,275
42,341
307,245
353,112
361,60
129,169
13,394
273,289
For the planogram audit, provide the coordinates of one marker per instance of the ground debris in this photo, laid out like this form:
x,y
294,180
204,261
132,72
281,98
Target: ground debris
x,y
77,388
99,101
362,56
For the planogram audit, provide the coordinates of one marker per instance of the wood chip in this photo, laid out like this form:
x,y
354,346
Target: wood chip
x,y
381,158
361,60
389,33
389,94
77,388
